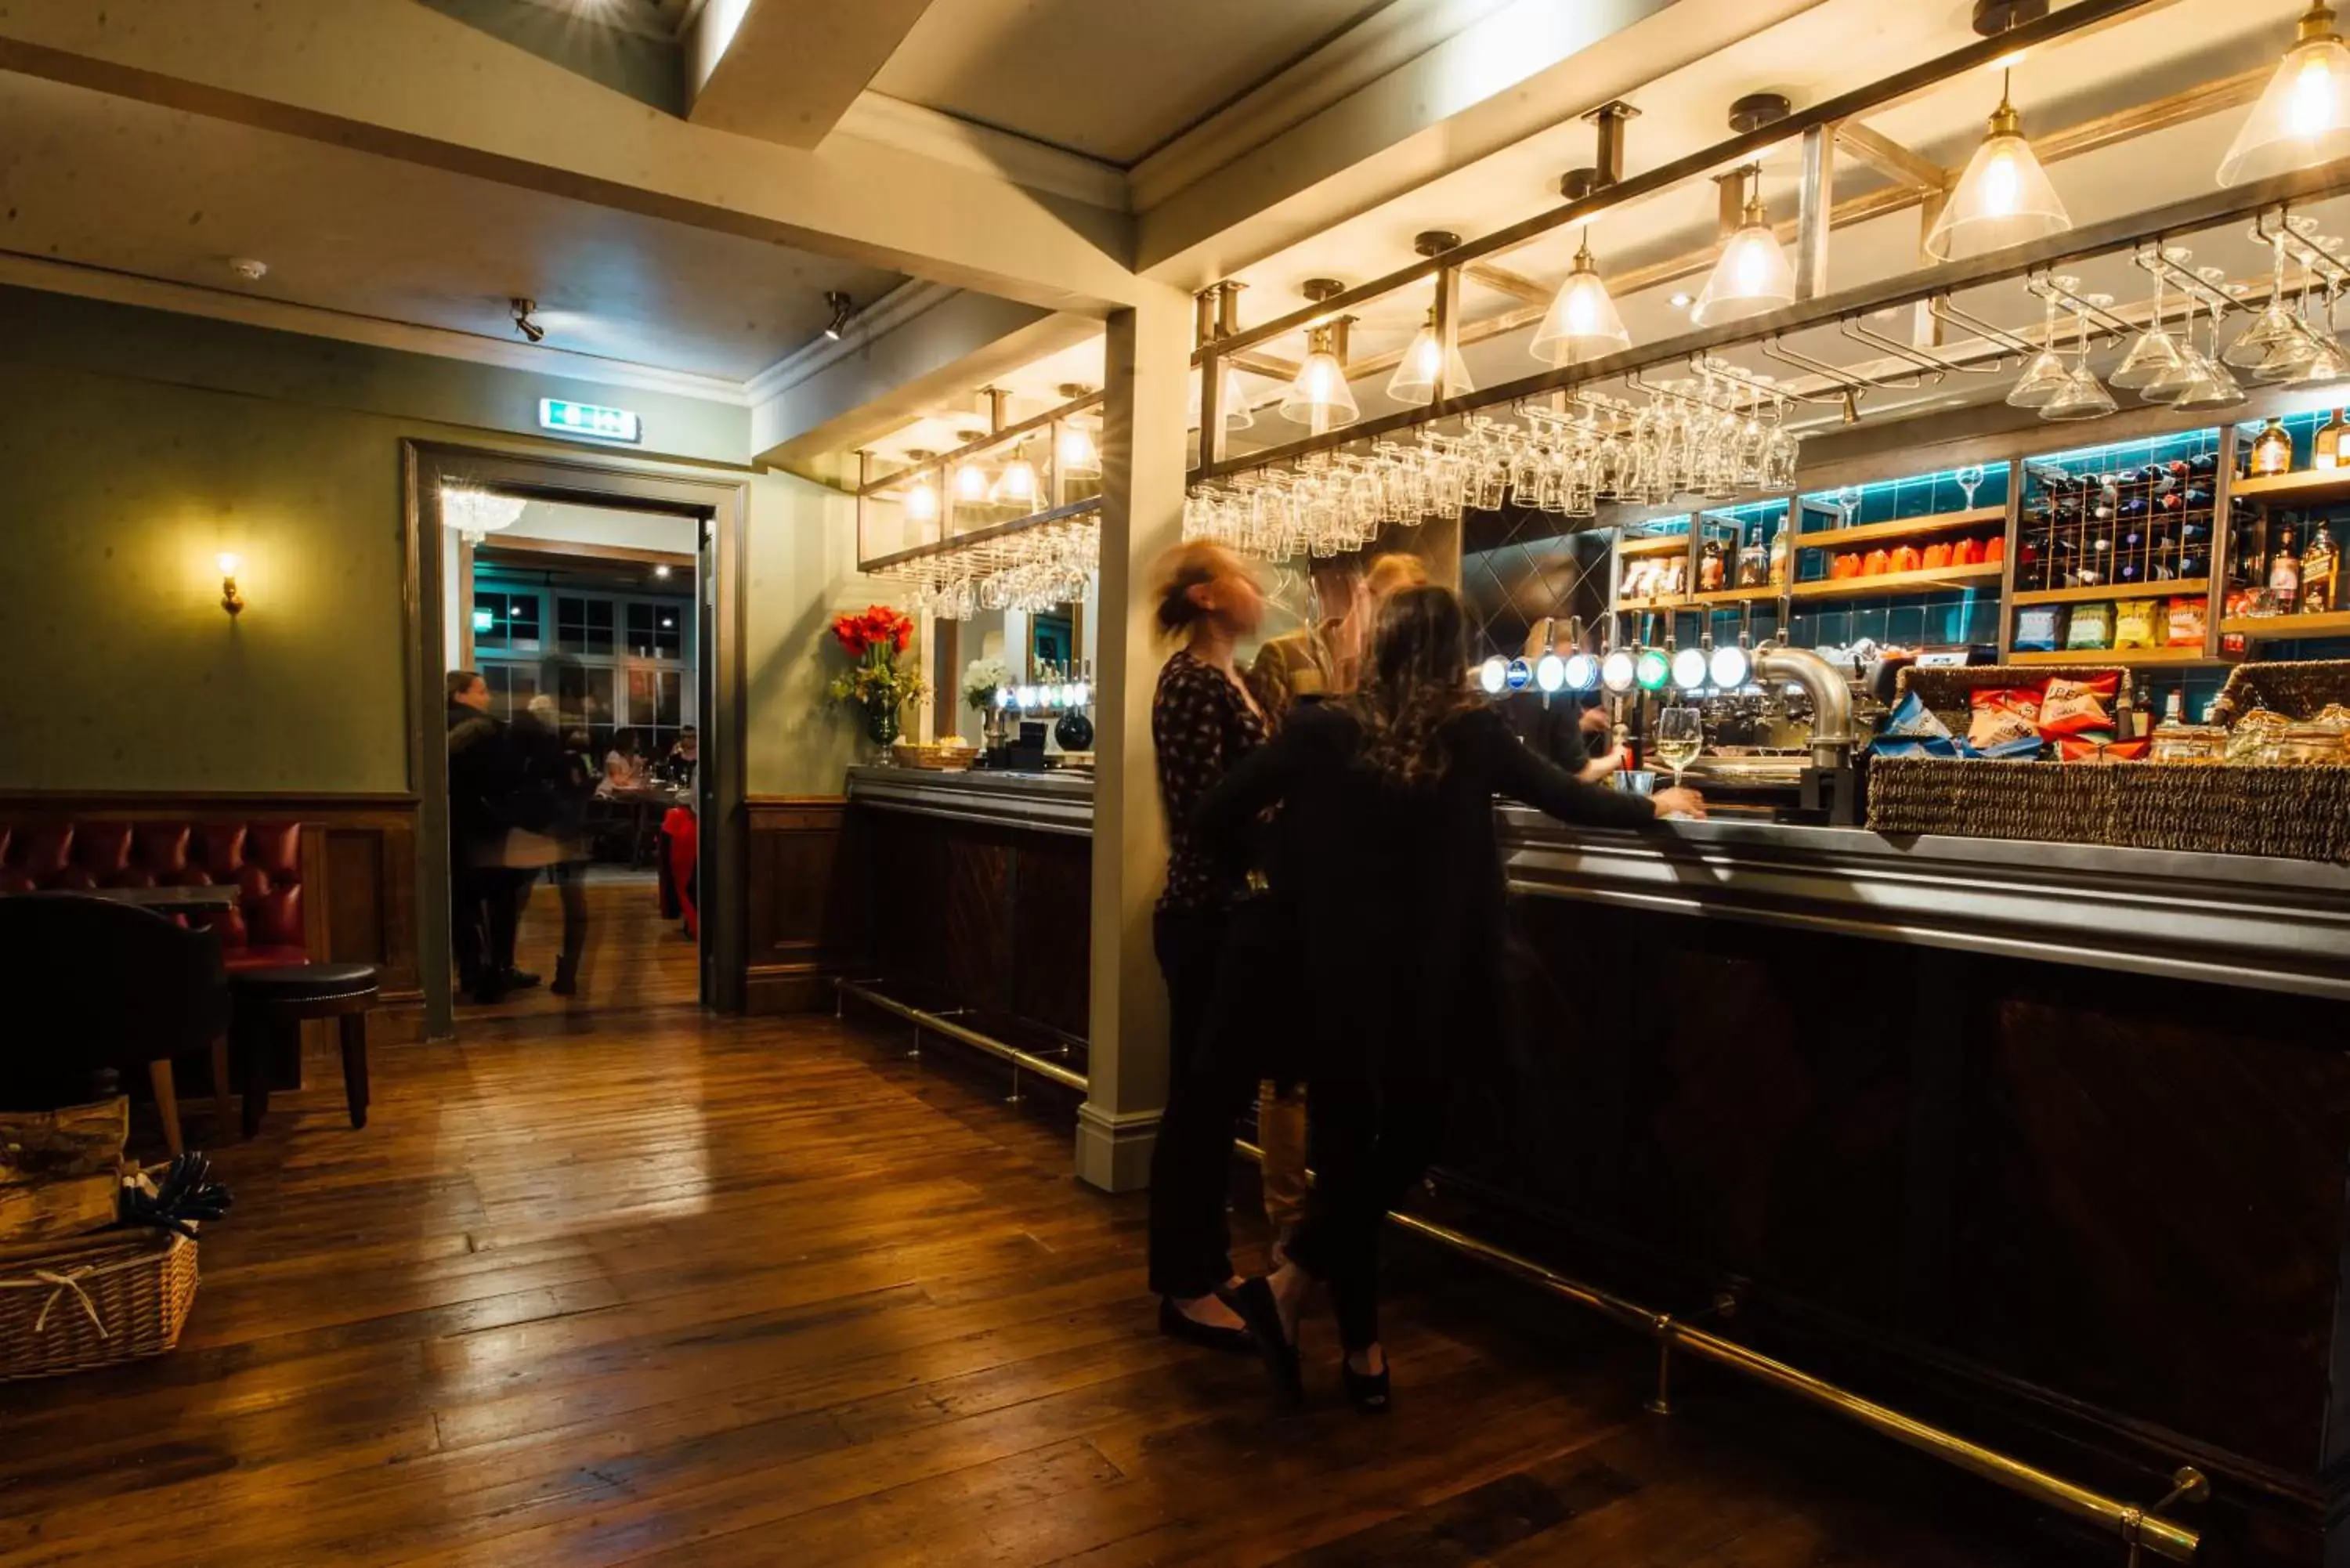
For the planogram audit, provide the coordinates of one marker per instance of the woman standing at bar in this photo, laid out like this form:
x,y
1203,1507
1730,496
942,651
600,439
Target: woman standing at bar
x,y
1385,858
1203,719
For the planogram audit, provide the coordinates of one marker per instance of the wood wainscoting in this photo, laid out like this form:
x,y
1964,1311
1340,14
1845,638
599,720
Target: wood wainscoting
x,y
807,902
358,870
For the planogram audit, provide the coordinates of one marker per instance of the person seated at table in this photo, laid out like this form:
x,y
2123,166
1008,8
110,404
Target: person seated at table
x,y
683,757
624,767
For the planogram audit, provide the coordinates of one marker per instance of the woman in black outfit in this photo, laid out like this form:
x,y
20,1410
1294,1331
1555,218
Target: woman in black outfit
x,y
1385,857
1203,719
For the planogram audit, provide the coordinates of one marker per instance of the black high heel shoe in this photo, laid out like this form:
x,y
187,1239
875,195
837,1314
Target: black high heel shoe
x,y
1256,1303
1175,1324
1367,1391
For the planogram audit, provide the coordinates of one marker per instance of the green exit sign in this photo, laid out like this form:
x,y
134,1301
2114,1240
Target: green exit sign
x,y
567,418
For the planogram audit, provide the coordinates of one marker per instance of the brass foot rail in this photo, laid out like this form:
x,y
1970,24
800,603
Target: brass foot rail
x,y
2135,1526
939,1023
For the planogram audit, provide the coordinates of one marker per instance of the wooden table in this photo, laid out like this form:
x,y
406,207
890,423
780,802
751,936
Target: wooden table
x,y
213,900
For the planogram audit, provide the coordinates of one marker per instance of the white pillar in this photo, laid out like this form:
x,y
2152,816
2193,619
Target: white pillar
x,y
1148,365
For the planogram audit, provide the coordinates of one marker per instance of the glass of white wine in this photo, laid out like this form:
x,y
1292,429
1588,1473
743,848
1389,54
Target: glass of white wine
x,y
1681,736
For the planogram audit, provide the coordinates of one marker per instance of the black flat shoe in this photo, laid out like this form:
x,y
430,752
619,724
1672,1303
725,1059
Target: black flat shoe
x,y
1254,1301
1175,1324
1367,1391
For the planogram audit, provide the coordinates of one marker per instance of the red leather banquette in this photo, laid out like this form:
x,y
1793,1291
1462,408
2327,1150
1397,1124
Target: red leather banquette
x,y
263,860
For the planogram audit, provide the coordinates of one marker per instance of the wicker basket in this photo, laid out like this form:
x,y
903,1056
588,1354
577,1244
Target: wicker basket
x,y
2296,688
1947,692
111,1297
2206,808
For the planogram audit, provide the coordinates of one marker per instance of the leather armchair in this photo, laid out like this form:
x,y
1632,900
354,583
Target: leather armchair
x,y
263,860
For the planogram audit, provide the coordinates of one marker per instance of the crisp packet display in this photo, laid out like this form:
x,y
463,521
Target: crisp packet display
x,y
2071,707
2135,622
1911,718
2092,626
2039,628
2099,746
2186,623
2001,714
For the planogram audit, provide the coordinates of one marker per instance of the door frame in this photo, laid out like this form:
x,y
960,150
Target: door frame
x,y
722,506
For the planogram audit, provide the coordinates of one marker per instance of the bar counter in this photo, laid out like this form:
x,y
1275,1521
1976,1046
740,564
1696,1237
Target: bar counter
x,y
2043,1142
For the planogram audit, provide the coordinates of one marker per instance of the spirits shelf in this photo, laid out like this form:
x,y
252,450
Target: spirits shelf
x,y
2287,628
2180,588
1656,606
1898,582
1659,545
1900,528
1737,596
2306,480
2122,657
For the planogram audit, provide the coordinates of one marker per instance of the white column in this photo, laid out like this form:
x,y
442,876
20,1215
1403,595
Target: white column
x,y
1148,366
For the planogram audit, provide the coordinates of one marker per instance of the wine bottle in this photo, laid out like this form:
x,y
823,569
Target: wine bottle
x,y
2284,571
2326,446
2321,572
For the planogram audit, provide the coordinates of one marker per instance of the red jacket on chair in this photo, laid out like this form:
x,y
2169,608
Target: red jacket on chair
x,y
684,837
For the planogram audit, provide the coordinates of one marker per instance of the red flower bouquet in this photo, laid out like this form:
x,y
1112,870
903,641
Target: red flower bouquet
x,y
875,685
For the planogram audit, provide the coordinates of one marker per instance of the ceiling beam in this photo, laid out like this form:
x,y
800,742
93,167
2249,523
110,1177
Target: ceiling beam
x,y
787,70
1502,280
404,82
1890,157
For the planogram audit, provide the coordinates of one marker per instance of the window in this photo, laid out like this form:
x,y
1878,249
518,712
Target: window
x,y
585,695
655,630
512,686
583,625
506,620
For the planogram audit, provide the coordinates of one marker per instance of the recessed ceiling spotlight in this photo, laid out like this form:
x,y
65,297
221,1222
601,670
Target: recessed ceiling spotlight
x,y
842,308
523,323
247,268
660,571
1678,301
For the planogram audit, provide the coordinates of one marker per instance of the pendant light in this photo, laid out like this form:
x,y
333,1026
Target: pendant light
x,y
1232,406
1414,381
470,509
1076,455
1016,485
971,481
1583,322
2304,115
2004,198
1752,275
1320,397
921,496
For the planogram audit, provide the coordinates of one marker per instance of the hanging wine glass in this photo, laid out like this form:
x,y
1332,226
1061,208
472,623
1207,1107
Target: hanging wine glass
x,y
2044,373
1968,480
2153,353
2273,325
2083,396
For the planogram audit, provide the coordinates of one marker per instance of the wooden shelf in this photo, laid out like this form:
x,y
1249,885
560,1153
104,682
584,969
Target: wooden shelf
x,y
1656,606
2181,589
1899,582
1900,528
2122,657
2287,628
2308,478
1659,545
1737,596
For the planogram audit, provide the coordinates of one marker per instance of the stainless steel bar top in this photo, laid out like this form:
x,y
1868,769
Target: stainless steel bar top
x,y
2279,925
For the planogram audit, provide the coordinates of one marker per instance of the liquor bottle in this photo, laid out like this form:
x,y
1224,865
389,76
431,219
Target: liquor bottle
x,y
2174,707
1753,561
2285,571
2320,573
2271,450
2325,447
1779,556
1710,568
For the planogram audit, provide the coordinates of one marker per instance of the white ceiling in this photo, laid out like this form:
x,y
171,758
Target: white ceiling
x,y
124,185
1115,79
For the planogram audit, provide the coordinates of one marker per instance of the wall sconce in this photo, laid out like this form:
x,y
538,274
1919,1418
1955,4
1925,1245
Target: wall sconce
x,y
230,600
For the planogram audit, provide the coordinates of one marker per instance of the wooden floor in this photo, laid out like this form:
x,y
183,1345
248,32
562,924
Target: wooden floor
x,y
654,1288
635,957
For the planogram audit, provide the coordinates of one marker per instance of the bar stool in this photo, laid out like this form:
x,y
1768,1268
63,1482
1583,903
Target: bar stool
x,y
270,1005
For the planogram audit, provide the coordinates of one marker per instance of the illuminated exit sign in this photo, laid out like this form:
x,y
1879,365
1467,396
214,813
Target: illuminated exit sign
x,y
587,420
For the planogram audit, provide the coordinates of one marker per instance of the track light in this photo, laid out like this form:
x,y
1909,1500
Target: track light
x,y
523,323
841,306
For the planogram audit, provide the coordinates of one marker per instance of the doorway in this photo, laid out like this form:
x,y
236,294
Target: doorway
x,y
602,615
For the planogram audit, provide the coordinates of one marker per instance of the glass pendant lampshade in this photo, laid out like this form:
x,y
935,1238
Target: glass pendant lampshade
x,y
1077,455
2003,199
1583,322
1016,486
1414,381
923,494
1751,277
1232,406
1320,396
2304,115
971,481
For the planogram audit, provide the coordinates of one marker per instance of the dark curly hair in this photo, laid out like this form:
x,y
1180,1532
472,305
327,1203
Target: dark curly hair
x,y
1418,683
